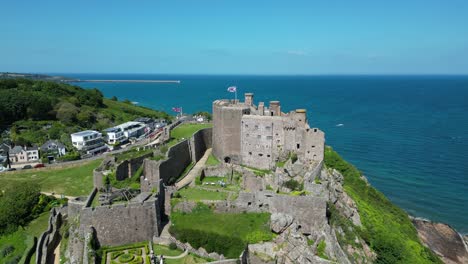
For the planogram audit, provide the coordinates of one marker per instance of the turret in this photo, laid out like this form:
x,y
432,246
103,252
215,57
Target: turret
x,y
249,99
275,108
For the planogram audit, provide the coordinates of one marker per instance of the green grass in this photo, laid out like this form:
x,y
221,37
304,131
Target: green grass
x,y
189,259
321,249
185,131
212,160
194,194
225,233
131,154
256,171
72,180
164,250
386,227
23,238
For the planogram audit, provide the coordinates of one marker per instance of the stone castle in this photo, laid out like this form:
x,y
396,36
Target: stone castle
x,y
259,136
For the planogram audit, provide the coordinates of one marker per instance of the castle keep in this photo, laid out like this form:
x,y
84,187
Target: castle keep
x,y
259,136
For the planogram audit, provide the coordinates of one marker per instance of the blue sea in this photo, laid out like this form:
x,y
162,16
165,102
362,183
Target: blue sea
x,y
407,134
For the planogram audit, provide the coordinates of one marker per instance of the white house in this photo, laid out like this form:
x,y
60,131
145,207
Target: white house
x,y
133,129
115,135
89,140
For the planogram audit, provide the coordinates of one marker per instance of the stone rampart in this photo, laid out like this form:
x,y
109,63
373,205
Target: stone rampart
x,y
308,211
178,158
49,240
127,168
123,223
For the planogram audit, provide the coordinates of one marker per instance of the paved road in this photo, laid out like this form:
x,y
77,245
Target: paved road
x,y
196,170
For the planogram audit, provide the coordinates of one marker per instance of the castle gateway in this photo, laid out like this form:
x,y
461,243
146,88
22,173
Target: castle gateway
x,y
259,136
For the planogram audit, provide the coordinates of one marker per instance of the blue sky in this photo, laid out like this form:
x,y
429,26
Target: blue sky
x,y
235,37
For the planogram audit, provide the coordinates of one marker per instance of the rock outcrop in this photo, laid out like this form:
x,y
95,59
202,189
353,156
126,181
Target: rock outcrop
x,y
449,245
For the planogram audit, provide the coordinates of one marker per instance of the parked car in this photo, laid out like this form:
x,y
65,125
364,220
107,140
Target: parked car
x,y
26,167
39,165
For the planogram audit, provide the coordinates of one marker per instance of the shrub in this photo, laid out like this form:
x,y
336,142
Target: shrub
x,y
293,185
116,254
14,260
6,250
172,246
293,157
229,246
321,250
126,258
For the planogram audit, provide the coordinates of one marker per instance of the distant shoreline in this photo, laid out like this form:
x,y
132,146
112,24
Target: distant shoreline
x,y
130,81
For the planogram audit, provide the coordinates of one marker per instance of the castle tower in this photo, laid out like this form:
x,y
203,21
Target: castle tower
x,y
275,108
249,99
227,130
300,116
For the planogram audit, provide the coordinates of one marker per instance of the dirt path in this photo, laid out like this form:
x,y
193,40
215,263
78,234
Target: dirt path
x,y
195,171
57,254
58,195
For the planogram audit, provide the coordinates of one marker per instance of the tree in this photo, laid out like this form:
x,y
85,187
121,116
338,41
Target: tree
x,y
114,98
16,205
67,112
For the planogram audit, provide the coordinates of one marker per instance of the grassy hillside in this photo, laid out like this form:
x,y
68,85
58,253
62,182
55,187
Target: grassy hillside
x,y
39,110
21,239
386,227
70,180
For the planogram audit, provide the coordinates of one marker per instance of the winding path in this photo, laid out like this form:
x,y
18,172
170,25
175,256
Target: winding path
x,y
194,172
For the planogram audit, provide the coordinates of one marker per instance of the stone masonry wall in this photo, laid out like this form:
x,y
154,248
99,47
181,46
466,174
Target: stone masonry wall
x,y
127,168
179,157
122,223
49,240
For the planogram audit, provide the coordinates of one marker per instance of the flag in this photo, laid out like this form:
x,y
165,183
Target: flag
x,y
176,109
232,89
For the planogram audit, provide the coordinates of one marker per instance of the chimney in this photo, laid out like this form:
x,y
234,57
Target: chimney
x,y
249,99
275,108
261,108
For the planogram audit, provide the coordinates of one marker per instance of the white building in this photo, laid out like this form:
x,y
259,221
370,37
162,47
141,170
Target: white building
x,y
89,140
115,135
133,129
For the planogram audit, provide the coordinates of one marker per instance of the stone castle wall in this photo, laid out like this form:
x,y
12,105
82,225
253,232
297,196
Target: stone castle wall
x,y
127,168
179,157
49,240
122,223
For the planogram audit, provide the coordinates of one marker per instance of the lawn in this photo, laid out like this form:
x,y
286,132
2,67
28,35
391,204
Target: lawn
x,y
189,259
226,233
194,194
212,160
71,180
23,238
185,131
